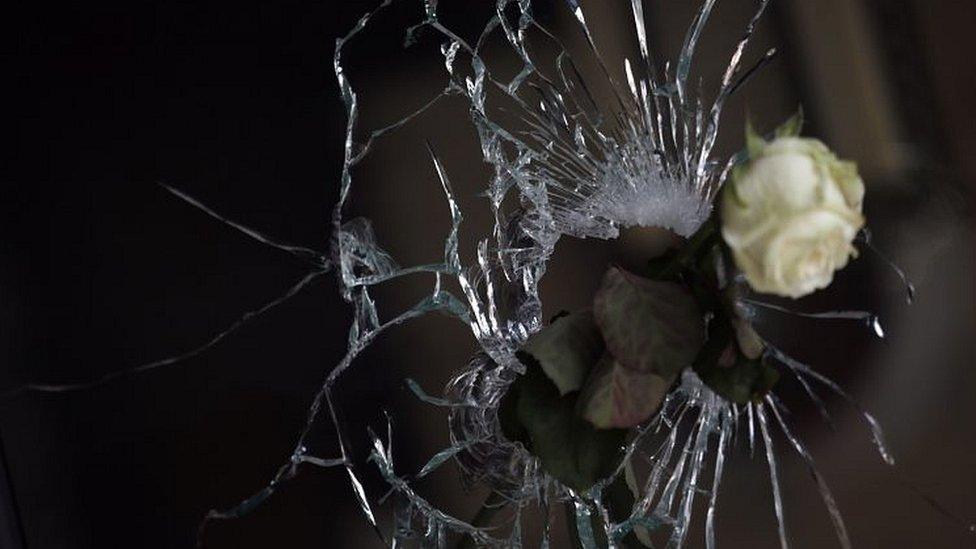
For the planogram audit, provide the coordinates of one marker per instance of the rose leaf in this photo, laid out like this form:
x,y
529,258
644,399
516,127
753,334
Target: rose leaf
x,y
567,349
569,448
649,326
617,397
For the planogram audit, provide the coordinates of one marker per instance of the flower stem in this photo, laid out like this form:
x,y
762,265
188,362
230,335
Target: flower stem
x,y
703,237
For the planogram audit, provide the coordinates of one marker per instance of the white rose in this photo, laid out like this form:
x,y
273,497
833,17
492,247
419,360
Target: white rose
x,y
790,215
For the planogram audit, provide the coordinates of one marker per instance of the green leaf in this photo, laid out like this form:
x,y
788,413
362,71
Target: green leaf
x,y
746,381
793,126
617,397
567,349
722,366
570,449
649,326
754,142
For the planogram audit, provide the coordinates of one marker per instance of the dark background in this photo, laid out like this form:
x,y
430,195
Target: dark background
x,y
100,268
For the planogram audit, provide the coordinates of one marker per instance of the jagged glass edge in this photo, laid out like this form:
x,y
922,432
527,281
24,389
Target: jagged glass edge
x,y
576,172
568,171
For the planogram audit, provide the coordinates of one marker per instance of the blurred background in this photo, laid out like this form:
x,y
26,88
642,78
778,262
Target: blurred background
x,y
101,269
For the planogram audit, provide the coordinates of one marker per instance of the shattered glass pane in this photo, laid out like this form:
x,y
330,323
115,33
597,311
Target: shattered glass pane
x,y
572,150
577,167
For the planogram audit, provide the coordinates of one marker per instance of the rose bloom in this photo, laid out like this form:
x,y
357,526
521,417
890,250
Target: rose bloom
x,y
790,216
